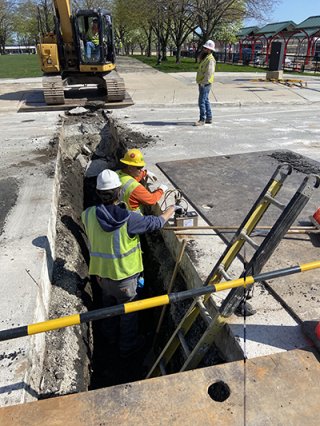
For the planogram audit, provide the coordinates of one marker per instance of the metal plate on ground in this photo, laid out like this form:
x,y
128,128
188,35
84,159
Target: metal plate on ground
x,y
74,97
272,395
223,189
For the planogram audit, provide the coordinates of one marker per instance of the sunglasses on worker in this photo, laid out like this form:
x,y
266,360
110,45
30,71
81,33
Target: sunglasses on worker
x,y
139,168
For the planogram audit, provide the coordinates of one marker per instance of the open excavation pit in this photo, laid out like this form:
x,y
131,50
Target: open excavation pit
x,y
281,364
77,358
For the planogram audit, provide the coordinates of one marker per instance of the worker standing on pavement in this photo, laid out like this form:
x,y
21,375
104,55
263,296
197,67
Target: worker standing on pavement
x,y
115,256
133,193
205,77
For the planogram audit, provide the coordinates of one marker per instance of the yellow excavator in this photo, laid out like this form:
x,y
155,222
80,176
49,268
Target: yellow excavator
x,y
81,50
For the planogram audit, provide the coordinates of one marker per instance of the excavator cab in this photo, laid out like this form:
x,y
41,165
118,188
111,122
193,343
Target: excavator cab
x,y
80,52
94,37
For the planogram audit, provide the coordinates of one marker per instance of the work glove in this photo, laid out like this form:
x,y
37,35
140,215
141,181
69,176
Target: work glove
x,y
163,187
151,176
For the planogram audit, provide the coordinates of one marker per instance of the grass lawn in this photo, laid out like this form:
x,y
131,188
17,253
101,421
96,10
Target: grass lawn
x,y
189,65
19,66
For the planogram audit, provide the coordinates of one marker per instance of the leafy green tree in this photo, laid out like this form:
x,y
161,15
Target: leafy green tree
x,y
26,23
213,15
7,9
183,23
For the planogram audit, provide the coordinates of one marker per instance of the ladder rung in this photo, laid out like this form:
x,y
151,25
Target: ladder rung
x,y
222,271
248,239
183,343
162,368
273,201
204,312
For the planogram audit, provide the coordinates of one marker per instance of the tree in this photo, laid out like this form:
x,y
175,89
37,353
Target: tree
x,y
227,35
161,25
7,9
131,17
212,15
92,4
26,23
259,9
183,23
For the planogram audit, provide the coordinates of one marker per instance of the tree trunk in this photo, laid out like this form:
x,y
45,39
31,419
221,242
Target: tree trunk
x,y
164,52
158,53
178,55
149,38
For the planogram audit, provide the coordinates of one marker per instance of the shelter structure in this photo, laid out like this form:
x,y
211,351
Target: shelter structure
x,y
300,41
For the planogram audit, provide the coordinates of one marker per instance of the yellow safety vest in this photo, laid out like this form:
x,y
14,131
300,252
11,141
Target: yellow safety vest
x,y
128,184
202,70
93,37
113,255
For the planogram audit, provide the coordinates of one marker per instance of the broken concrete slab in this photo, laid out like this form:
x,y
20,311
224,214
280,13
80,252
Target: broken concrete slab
x,y
77,111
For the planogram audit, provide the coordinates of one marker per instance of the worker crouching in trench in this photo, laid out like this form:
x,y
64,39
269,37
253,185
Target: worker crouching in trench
x,y
116,257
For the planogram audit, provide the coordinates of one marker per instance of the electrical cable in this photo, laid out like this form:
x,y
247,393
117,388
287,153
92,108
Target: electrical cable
x,y
179,199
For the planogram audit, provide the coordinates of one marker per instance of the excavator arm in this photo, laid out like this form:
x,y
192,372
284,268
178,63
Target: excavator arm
x,y
63,12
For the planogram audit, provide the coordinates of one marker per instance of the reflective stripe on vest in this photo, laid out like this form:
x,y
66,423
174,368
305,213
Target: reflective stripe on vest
x,y
128,184
114,254
203,69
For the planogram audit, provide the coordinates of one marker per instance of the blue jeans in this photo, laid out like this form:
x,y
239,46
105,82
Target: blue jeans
x,y
124,329
204,103
91,50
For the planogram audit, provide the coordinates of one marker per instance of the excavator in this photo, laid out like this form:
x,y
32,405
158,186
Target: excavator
x,y
73,55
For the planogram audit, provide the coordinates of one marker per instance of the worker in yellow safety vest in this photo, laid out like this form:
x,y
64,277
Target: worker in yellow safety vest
x,y
115,256
93,41
133,193
205,77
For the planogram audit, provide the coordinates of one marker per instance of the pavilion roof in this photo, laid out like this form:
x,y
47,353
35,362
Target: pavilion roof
x,y
313,22
310,26
276,27
243,32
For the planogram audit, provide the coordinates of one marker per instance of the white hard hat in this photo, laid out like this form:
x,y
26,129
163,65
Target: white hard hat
x,y
108,179
210,45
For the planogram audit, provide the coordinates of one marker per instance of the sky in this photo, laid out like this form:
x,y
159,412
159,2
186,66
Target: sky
x,y
292,10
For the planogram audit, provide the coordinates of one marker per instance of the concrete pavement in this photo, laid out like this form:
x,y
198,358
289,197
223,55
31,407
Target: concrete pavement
x,y
165,107
148,86
27,235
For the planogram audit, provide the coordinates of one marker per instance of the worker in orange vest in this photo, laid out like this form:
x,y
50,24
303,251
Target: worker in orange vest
x,y
133,193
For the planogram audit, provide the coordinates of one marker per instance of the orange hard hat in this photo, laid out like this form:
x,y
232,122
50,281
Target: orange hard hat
x,y
133,157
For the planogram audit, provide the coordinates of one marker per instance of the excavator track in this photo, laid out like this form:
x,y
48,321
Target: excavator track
x,y
53,89
115,87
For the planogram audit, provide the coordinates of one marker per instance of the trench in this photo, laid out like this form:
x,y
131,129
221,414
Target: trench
x,y
79,358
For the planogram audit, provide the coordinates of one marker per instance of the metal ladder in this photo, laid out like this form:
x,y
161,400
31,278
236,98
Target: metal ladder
x,y
214,324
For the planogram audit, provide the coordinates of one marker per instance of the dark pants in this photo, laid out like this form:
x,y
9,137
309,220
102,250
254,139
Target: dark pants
x,y
204,103
124,329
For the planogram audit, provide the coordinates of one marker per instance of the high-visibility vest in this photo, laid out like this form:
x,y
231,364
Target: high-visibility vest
x,y
203,66
93,37
113,255
128,184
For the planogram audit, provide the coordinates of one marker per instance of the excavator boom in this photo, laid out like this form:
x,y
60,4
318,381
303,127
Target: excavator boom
x,y
63,12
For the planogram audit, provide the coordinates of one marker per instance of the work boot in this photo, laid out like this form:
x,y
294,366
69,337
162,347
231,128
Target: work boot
x,y
209,121
199,123
245,309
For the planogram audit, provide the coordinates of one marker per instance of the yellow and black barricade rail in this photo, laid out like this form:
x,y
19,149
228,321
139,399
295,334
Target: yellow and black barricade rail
x,y
152,302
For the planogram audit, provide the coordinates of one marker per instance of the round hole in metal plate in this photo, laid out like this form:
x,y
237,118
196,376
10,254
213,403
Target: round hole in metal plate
x,y
219,391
